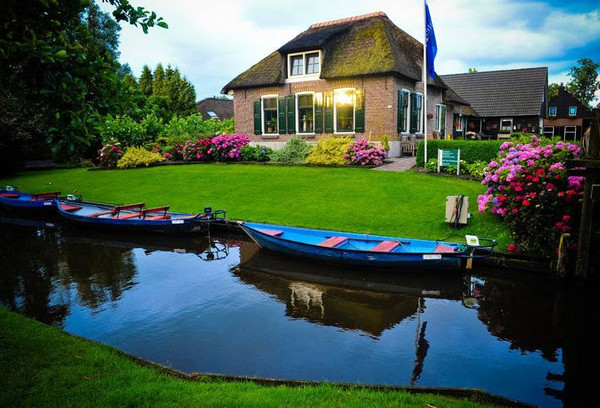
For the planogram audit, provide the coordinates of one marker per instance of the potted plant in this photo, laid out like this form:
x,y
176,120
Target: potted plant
x,y
272,125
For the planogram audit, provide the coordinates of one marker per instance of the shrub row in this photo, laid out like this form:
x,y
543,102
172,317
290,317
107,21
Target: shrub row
x,y
470,150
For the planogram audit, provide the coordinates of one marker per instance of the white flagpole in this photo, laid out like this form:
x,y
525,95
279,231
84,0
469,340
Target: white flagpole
x,y
425,83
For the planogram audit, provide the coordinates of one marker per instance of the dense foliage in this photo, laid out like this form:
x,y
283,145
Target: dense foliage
x,y
330,151
138,157
470,151
529,188
110,154
360,152
295,151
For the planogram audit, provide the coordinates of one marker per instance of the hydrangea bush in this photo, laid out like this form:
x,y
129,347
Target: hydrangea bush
x,y
228,147
361,153
110,154
529,188
196,150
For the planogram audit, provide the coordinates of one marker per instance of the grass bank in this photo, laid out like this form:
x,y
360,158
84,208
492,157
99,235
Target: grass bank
x,y
404,204
44,367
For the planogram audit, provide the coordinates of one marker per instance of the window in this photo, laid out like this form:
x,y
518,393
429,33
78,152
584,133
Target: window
x,y
418,117
458,122
343,100
440,119
549,131
305,108
212,115
269,115
506,125
403,109
572,110
570,132
552,111
304,64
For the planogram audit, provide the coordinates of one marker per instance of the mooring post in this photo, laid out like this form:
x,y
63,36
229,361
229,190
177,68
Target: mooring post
x,y
592,164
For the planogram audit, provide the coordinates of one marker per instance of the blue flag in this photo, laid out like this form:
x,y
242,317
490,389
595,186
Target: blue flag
x,y
431,43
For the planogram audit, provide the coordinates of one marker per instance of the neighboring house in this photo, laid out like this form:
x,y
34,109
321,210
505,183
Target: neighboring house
x,y
215,108
358,77
502,101
567,117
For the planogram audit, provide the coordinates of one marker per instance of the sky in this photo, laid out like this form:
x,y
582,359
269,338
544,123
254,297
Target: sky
x,y
211,42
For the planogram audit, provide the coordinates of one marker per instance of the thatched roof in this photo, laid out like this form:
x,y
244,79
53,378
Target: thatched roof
x,y
514,92
357,46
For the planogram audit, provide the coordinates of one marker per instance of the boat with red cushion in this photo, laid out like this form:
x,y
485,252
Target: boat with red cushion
x,y
367,250
18,200
136,217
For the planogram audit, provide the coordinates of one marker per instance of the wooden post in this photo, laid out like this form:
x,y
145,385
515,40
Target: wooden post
x,y
563,255
587,210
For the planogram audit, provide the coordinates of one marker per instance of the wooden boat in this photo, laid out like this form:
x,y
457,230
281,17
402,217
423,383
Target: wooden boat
x,y
18,200
372,251
135,217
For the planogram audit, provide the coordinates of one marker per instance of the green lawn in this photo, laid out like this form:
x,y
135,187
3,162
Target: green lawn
x,y
403,204
43,367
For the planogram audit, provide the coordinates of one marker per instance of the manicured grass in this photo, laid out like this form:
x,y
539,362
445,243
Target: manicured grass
x,y
43,367
403,204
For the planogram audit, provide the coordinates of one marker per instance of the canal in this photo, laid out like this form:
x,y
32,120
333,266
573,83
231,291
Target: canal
x,y
219,304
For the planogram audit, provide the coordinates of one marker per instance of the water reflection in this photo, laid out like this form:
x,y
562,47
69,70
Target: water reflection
x,y
219,304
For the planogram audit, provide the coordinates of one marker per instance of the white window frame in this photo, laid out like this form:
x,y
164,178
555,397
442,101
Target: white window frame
x,y
407,114
298,116
304,76
438,117
572,132
420,114
574,113
550,114
549,132
459,128
512,124
353,111
262,114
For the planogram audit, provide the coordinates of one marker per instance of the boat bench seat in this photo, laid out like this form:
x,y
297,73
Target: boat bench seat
x,y
441,248
10,195
333,242
155,210
386,246
127,216
273,233
70,207
101,213
45,196
159,217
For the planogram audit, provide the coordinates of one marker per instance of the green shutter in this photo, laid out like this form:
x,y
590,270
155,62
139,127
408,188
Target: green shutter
x,y
281,115
400,124
291,114
414,114
257,124
359,111
319,112
329,112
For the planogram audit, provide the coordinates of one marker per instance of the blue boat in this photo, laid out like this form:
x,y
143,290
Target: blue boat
x,y
374,251
18,200
136,218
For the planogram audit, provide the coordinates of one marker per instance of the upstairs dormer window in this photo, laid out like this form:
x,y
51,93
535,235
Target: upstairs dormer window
x,y
572,110
304,65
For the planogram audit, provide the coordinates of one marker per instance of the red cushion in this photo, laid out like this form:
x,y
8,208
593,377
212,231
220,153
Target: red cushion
x,y
10,195
159,217
441,248
70,207
333,242
385,246
127,216
273,233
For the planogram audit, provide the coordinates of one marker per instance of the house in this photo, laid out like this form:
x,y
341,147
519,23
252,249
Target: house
x,y
358,77
501,102
215,108
567,117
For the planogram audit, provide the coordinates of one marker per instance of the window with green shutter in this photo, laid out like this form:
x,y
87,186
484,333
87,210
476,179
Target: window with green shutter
x,y
414,114
291,114
403,96
282,115
359,111
319,112
329,112
257,123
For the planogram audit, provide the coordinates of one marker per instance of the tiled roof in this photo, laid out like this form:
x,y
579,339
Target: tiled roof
x,y
363,45
515,92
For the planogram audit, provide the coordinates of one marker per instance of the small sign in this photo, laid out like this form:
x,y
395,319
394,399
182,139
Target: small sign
x,y
449,158
472,240
48,202
177,222
430,257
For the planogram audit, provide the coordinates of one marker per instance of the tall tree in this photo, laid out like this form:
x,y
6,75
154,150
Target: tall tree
x,y
146,81
585,81
553,90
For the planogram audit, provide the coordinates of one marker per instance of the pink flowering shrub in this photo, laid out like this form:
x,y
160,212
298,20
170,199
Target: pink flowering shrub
x,y
228,147
196,150
529,188
110,154
361,153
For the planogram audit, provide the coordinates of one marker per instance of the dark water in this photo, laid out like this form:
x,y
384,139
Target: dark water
x,y
220,305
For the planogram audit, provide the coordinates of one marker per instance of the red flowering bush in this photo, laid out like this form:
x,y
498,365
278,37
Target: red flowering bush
x,y
529,188
362,153
110,154
229,147
196,150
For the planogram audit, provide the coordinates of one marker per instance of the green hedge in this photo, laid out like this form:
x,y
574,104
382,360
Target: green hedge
x,y
470,150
